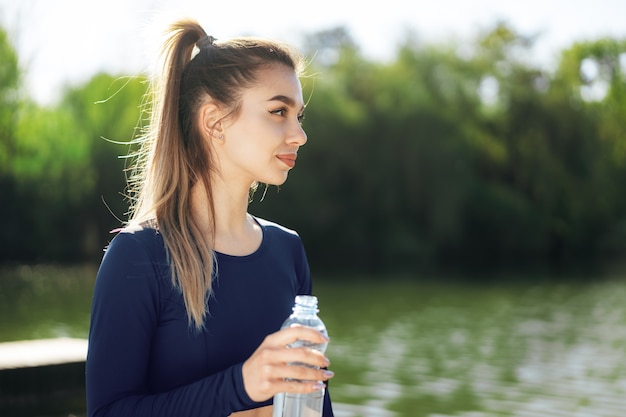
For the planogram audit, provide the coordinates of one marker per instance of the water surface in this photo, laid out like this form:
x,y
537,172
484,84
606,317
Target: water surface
x,y
414,349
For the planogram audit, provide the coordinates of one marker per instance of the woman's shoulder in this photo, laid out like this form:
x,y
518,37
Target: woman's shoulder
x,y
138,249
280,239
144,236
276,229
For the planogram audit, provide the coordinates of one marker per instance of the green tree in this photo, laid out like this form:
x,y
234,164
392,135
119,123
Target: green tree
x,y
9,84
446,159
436,160
107,113
9,104
66,173
592,78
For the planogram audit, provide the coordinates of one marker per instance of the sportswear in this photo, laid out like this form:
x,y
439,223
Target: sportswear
x,y
145,359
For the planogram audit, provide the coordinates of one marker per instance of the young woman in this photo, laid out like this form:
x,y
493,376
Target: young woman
x,y
191,294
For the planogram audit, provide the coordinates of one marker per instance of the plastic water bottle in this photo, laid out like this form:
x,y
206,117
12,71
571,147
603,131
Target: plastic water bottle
x,y
302,405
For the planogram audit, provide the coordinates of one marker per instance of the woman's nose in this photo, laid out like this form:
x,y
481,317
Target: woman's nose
x,y
298,136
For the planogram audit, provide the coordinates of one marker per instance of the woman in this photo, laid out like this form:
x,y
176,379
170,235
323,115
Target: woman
x,y
190,296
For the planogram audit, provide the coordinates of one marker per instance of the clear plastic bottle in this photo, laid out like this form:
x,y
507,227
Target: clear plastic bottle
x,y
303,405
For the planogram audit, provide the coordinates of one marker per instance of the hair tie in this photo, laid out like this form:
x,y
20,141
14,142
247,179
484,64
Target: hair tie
x,y
205,41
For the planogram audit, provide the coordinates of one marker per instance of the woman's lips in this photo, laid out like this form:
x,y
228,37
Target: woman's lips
x,y
288,159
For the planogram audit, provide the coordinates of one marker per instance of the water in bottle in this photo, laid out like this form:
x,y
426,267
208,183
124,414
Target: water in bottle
x,y
302,405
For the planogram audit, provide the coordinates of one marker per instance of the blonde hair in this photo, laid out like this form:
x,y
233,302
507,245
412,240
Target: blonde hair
x,y
173,156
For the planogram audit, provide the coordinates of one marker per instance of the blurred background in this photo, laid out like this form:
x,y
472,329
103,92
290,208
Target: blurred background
x,y
461,196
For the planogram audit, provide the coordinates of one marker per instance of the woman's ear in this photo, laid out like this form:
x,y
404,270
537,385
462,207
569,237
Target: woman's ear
x,y
211,121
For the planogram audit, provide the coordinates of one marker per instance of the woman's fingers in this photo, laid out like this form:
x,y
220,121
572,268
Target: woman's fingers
x,y
302,355
292,334
274,367
299,373
298,387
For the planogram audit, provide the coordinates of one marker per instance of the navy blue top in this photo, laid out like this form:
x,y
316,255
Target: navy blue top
x,y
144,357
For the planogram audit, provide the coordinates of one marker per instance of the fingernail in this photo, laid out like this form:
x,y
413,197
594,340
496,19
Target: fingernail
x,y
318,386
329,374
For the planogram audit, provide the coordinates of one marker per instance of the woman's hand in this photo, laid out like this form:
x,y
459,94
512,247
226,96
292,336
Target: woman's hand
x,y
266,372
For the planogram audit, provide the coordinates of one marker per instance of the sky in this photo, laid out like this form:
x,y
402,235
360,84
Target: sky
x,y
65,42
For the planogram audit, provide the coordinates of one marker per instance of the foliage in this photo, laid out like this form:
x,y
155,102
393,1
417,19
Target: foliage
x,y
448,157
415,164
64,177
9,81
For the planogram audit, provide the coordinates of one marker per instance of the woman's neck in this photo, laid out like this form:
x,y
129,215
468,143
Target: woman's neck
x,y
236,232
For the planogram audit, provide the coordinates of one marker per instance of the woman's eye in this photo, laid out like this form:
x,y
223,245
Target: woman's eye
x,y
282,112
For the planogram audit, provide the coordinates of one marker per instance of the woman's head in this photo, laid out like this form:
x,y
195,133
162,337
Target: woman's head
x,y
196,69
176,153
221,71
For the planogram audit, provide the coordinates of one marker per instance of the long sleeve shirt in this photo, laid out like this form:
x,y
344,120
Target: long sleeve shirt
x,y
145,359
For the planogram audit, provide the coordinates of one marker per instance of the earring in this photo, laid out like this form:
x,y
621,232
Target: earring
x,y
220,137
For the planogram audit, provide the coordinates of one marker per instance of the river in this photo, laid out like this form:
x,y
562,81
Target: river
x,y
413,348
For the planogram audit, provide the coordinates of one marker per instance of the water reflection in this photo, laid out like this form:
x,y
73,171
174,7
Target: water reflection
x,y
546,351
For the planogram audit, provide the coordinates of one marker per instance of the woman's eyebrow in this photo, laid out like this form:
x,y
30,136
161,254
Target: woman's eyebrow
x,y
285,99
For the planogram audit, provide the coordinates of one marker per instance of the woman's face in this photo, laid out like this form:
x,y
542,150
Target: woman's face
x,y
261,144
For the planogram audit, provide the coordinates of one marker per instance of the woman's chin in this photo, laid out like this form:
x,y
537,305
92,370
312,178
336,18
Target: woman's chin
x,y
276,180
